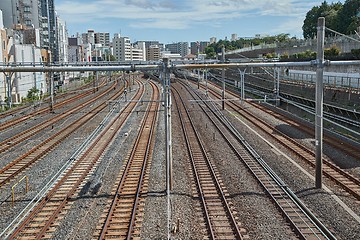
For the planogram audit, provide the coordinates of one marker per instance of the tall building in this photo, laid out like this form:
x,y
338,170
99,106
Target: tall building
x,y
198,47
234,37
62,37
122,48
49,31
181,48
212,40
75,50
102,38
21,13
125,51
153,53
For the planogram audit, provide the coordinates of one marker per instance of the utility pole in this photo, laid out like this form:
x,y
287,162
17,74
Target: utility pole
x,y
9,89
242,85
223,77
167,105
319,101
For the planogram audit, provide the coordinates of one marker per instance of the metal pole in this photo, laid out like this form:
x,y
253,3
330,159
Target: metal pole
x,y
97,80
242,84
167,111
51,92
167,100
206,86
198,82
223,78
319,101
9,89
278,88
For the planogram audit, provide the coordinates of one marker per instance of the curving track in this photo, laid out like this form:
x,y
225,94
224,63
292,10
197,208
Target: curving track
x,y
18,138
11,123
21,163
41,222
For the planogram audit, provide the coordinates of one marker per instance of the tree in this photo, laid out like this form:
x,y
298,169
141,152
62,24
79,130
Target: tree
x,y
309,26
33,94
210,52
349,18
330,12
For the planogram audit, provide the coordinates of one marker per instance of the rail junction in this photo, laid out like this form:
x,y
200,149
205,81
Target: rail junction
x,y
169,157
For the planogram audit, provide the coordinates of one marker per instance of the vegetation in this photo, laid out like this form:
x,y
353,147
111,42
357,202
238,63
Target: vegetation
x,y
329,53
343,18
215,48
106,57
32,95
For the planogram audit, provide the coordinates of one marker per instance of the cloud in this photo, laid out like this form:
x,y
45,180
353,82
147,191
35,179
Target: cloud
x,y
168,14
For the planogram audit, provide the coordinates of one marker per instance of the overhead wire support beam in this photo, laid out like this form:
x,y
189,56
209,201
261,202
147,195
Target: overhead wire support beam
x,y
319,92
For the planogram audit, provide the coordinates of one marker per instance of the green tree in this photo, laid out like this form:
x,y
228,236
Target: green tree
x,y
330,12
33,94
210,51
349,17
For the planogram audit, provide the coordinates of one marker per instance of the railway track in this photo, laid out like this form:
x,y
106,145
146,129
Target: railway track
x,y
304,223
347,181
330,139
42,221
15,167
219,217
26,134
121,218
12,122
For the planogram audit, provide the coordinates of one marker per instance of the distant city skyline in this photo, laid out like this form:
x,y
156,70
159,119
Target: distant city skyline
x,y
171,21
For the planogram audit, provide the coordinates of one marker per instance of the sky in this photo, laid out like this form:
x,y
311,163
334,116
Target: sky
x,y
171,21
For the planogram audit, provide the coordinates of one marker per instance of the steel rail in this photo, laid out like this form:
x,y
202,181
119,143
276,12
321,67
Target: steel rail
x,y
97,147
140,137
349,182
15,139
232,222
308,219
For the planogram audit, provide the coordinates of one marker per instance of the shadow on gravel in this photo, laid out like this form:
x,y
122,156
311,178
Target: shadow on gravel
x,y
242,194
315,191
289,131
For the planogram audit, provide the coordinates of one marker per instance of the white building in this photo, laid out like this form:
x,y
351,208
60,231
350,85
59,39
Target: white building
x,y
3,59
138,52
62,37
21,82
122,48
125,51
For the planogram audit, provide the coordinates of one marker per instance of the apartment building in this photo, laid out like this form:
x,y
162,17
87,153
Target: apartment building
x,y
198,47
153,53
181,48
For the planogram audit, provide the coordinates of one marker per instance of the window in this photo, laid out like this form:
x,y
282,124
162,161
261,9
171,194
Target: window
x,y
27,9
